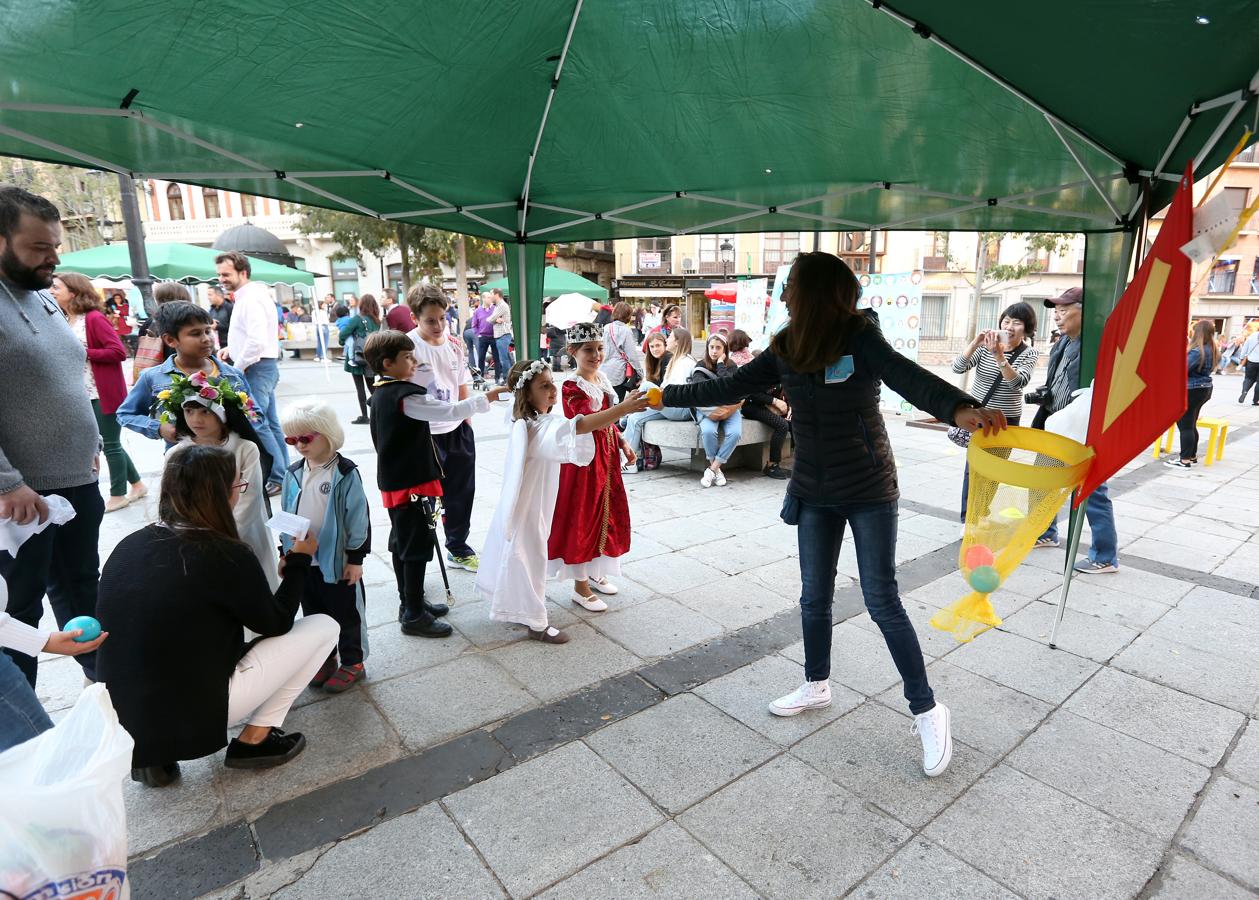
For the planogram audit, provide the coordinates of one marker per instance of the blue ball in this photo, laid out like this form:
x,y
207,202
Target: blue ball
x,y
91,628
985,579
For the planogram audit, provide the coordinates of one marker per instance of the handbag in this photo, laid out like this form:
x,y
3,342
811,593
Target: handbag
x,y
721,413
149,353
961,436
651,457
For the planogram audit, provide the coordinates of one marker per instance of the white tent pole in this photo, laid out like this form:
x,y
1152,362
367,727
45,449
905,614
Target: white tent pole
x,y
335,198
419,191
563,209
1218,133
700,229
205,176
722,201
93,161
1222,100
663,198
410,213
936,215
814,217
650,226
193,139
1085,169
356,173
486,222
582,221
1091,217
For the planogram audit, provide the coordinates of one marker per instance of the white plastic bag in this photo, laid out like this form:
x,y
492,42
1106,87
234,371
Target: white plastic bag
x,y
63,829
1072,421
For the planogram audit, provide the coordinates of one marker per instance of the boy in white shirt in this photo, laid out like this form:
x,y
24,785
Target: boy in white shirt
x,y
454,442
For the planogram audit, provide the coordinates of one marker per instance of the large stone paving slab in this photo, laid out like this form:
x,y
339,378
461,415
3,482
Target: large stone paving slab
x,y
783,577
924,871
1225,830
748,550
934,642
667,863
433,704
672,574
871,752
1187,726
859,659
745,694
1144,786
191,805
420,855
734,602
1243,762
1129,610
1034,669
538,823
549,671
1044,844
794,834
1210,676
657,628
394,653
681,750
1184,879
1083,635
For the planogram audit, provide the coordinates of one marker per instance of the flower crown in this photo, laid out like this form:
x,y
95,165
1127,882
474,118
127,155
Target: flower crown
x,y
215,394
583,333
535,368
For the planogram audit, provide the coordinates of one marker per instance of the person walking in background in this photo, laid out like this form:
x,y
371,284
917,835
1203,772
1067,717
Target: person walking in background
x,y
500,316
354,334
483,325
103,378
253,346
319,317
469,332
1201,363
1003,361
1249,357
221,312
670,319
623,362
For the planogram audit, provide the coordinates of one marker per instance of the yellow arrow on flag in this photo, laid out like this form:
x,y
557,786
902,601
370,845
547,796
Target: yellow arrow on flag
x,y
1125,384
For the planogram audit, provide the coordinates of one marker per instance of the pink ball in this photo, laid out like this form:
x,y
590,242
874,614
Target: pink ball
x,y
978,555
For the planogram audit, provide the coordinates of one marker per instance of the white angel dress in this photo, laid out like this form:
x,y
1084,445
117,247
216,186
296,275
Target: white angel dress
x,y
512,574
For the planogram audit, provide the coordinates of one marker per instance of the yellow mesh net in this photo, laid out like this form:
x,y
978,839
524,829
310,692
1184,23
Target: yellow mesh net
x,y
1019,478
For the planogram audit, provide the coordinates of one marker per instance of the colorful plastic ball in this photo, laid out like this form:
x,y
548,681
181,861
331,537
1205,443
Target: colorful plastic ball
x,y
91,628
985,579
978,555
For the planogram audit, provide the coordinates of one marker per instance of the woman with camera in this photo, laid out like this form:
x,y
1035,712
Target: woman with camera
x,y
1003,361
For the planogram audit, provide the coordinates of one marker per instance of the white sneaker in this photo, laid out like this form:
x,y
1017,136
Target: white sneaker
x,y
592,604
602,585
707,479
720,479
937,739
810,695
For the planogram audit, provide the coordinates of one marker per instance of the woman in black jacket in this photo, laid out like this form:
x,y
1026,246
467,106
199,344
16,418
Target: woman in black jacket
x,y
829,361
177,597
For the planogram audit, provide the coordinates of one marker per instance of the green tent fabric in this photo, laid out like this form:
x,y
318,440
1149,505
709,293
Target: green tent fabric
x,y
564,120
173,262
556,281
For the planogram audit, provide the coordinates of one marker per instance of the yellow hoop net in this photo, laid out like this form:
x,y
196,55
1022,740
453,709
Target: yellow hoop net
x,y
1019,478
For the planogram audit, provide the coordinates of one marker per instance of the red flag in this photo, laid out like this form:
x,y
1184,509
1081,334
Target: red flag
x,y
1140,387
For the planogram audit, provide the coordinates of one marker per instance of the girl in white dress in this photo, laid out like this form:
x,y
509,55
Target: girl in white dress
x,y
512,575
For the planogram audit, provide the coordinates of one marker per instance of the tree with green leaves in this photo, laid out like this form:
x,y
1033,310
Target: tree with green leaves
x,y
86,199
991,273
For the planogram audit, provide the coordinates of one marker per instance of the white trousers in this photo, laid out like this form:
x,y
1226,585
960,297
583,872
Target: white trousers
x,y
275,670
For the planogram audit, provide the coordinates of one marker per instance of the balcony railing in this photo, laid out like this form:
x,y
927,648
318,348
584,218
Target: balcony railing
x,y
935,263
204,231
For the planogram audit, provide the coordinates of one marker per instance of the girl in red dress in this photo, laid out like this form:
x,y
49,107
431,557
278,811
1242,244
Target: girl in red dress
x,y
591,527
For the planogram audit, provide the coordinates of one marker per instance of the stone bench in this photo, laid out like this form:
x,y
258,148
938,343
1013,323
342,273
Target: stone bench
x,y
752,451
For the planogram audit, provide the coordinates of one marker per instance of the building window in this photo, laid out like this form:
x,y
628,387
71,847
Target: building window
x,y
988,312
935,316
655,255
1223,278
174,202
1254,276
211,199
781,248
1248,155
710,253
248,205
345,278
1044,317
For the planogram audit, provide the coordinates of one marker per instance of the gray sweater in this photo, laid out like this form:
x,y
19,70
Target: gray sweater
x,y
48,434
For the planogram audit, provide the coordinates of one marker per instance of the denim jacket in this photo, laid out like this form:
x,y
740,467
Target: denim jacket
x,y
1200,365
346,534
136,409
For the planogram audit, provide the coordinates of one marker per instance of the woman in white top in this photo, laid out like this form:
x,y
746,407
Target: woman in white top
x,y
677,372
319,318
621,351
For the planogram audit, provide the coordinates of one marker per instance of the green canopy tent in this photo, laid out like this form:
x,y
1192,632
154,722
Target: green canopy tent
x,y
173,262
555,282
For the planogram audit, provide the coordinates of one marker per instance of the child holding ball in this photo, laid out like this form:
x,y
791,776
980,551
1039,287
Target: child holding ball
x,y
512,575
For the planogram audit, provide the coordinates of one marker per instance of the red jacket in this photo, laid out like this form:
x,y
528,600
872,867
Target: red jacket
x,y
106,354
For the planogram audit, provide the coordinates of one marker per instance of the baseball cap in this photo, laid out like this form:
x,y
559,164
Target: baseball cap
x,y
1070,295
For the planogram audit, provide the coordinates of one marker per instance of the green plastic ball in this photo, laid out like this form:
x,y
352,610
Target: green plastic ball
x,y
985,579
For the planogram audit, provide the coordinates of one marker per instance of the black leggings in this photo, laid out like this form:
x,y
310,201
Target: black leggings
x,y
1188,423
767,416
364,388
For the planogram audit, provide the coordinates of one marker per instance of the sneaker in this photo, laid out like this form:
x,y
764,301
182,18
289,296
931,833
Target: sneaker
x,y
1045,542
275,749
708,477
590,604
426,625
156,776
1178,464
603,586
1092,567
470,562
937,739
326,671
549,635
777,472
345,678
720,479
810,695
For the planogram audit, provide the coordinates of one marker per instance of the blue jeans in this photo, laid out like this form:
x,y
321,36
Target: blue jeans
x,y
21,716
731,430
483,344
502,357
820,532
321,341
1101,515
636,421
263,377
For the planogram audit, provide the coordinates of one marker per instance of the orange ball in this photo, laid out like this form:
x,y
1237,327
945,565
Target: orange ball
x,y
978,555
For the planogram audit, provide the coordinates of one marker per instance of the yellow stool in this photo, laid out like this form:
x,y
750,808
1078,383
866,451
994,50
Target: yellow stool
x,y
1215,441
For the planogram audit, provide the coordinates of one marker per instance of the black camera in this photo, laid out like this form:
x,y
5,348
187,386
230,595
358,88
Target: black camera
x,y
1038,397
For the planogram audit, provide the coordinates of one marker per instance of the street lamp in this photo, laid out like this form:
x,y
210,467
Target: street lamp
x,y
107,230
727,258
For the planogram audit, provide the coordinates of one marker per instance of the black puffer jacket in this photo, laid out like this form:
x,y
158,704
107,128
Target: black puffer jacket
x,y
843,454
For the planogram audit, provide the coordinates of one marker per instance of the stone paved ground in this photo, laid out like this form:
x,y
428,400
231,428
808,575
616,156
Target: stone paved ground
x,y
639,760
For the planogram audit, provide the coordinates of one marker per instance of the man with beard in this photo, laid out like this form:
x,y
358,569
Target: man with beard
x,y
48,435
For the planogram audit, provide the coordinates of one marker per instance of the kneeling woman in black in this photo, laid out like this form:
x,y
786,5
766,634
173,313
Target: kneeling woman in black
x,y
176,597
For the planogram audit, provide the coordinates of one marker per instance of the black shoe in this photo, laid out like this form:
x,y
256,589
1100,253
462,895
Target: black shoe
x,y
361,420
436,609
156,776
275,749
775,471
426,625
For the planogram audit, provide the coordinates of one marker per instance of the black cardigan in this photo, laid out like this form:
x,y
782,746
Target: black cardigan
x,y
175,609
842,454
